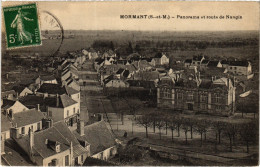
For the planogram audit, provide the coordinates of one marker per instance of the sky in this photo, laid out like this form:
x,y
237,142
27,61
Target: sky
x,y
106,15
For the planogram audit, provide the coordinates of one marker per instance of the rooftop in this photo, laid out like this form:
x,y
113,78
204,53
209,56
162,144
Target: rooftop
x,y
51,89
27,117
40,148
99,137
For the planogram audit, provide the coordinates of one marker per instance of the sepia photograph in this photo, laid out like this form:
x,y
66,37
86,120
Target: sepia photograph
x,y
130,83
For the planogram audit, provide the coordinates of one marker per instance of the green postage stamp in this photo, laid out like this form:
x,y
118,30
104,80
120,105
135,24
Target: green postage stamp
x,y
22,26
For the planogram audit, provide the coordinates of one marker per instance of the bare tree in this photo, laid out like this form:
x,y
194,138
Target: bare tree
x,y
185,127
248,133
145,121
218,127
230,131
173,124
201,127
160,123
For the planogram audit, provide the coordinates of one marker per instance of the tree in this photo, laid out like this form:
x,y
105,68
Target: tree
x,y
218,127
145,121
201,127
173,124
248,133
134,105
185,127
230,131
160,123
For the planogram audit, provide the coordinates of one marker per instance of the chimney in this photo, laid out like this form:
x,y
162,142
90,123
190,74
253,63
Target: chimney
x,y
46,141
38,107
31,137
80,127
14,132
57,100
71,151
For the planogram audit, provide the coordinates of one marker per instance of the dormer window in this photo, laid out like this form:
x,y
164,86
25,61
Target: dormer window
x,y
57,148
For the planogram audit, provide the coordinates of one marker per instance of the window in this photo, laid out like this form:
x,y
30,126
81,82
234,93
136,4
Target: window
x,y
82,160
78,111
68,112
23,130
179,95
67,160
74,110
203,98
190,96
230,68
218,107
78,96
38,126
217,98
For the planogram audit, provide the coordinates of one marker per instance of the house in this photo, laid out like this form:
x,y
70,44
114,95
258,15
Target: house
x,y
10,95
113,82
35,102
214,64
204,64
64,108
11,107
240,68
187,63
22,91
160,59
23,121
216,96
196,60
69,73
45,79
81,149
47,147
50,90
71,82
73,93
102,141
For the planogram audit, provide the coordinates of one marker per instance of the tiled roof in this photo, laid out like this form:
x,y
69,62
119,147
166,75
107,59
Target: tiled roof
x,y
8,93
205,84
141,83
64,130
71,91
158,55
197,58
64,101
18,89
47,77
99,137
213,63
43,150
7,103
51,89
239,63
120,71
31,101
204,61
27,117
188,61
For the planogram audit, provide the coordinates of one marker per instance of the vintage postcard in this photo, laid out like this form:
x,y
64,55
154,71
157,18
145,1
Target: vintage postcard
x,y
129,83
